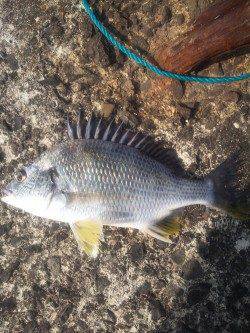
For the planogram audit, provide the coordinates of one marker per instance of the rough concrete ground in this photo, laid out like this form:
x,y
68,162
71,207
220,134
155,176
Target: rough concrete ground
x,y
52,63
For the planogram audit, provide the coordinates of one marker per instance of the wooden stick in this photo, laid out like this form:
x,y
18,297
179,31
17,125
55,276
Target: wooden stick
x,y
218,33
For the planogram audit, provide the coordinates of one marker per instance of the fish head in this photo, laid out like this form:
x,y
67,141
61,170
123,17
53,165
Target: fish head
x,y
31,190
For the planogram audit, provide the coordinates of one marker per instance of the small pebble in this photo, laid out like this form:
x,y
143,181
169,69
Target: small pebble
x,y
107,109
180,19
230,96
176,90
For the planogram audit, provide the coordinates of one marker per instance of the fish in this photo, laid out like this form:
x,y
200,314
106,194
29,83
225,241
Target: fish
x,y
106,173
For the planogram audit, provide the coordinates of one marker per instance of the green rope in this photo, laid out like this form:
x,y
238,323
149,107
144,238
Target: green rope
x,y
147,64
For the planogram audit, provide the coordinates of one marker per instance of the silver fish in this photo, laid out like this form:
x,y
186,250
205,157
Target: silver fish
x,y
108,175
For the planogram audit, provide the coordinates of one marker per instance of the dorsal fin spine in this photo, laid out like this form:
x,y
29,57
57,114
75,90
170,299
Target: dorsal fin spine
x,y
88,129
70,128
124,137
139,144
134,138
79,125
114,137
145,146
107,131
98,129
151,147
155,150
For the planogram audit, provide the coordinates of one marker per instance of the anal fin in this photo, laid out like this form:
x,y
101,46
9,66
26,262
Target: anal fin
x,y
88,235
169,226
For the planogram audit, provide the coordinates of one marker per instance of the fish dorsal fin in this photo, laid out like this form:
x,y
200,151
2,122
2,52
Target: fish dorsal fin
x,y
96,128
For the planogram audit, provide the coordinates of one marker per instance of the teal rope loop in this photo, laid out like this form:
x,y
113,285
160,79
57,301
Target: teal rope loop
x,y
147,64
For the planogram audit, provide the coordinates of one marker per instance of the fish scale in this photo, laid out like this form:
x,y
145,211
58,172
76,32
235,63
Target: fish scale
x,y
136,189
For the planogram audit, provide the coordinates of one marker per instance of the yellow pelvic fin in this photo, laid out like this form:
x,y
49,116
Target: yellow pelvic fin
x,y
162,229
88,235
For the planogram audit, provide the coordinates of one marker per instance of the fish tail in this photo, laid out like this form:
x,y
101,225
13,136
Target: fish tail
x,y
231,184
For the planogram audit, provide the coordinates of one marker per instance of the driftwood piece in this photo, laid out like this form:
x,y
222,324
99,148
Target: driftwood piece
x,y
218,33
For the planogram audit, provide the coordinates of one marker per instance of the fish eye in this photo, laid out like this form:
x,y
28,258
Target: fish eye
x,y
21,175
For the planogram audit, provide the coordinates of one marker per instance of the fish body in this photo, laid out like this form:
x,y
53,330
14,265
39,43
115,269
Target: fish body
x,y
89,182
116,185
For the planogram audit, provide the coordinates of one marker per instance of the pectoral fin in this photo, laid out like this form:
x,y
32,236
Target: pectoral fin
x,y
169,226
88,235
